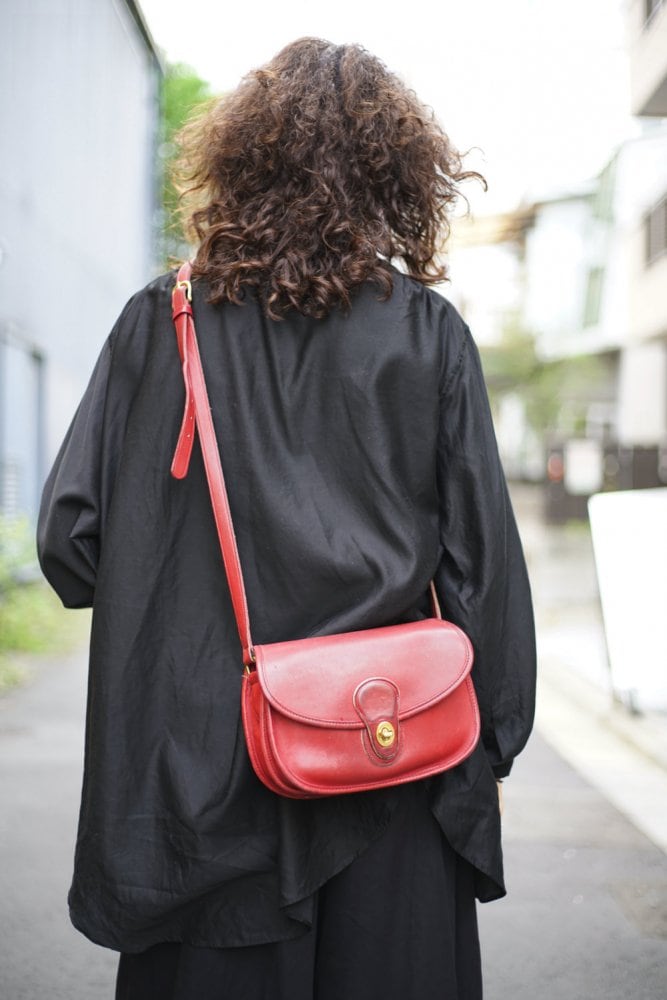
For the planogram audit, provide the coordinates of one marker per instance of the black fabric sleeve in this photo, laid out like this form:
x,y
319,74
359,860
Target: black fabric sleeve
x,y
481,577
68,527
77,490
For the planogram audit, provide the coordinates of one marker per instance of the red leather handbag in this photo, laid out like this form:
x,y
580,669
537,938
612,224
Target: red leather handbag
x,y
335,713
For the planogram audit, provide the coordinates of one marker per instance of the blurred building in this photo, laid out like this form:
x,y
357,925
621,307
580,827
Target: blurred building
x,y
584,273
647,42
78,196
563,245
486,264
596,279
643,389
618,275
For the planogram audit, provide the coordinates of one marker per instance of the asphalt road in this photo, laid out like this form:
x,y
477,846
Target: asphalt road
x,y
585,917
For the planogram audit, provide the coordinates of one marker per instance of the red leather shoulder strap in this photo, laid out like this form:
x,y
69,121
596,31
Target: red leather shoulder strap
x,y
198,414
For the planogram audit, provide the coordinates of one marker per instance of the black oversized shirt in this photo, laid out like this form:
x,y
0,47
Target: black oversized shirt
x,y
361,462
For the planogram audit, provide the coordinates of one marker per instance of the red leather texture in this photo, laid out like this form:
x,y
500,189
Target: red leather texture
x,y
339,713
181,308
306,734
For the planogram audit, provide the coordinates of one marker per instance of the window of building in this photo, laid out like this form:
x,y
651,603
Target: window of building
x,y
655,231
651,8
593,296
21,426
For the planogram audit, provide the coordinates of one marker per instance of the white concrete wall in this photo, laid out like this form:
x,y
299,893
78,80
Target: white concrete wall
x,y
648,59
566,241
78,117
642,182
642,394
556,264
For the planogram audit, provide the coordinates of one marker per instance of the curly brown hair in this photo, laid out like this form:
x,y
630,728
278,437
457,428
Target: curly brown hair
x,y
315,174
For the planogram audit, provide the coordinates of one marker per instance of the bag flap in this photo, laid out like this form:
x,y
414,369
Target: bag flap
x,y
314,680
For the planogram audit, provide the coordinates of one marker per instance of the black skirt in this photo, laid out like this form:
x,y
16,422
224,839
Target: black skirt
x,y
399,922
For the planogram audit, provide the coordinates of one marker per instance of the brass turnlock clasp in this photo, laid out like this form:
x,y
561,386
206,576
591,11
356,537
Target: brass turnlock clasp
x,y
385,734
376,701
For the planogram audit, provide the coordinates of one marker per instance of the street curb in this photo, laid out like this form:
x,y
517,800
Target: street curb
x,y
645,732
623,757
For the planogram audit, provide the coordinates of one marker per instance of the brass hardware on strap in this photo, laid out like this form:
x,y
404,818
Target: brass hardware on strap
x,y
187,286
253,659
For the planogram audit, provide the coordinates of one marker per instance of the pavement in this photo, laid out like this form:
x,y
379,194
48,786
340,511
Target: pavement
x,y
585,831
42,957
585,917
622,753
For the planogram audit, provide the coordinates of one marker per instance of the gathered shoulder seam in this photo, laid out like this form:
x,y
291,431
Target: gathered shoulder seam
x,y
458,364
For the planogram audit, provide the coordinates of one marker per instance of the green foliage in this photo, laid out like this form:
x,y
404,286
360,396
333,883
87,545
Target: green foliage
x,y
555,394
509,364
32,619
183,92
561,391
17,551
11,674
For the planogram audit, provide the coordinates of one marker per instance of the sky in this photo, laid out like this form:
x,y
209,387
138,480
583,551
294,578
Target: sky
x,y
537,88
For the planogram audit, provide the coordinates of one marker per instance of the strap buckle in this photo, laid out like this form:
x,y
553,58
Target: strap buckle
x,y
187,286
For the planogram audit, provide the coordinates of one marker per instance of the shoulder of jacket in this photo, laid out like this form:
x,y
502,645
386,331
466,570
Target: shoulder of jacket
x,y
160,285
452,331
158,288
141,311
431,298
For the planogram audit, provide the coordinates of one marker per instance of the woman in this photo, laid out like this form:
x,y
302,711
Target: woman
x,y
361,463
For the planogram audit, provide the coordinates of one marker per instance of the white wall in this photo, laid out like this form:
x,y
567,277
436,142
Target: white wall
x,y
642,394
78,118
567,240
486,287
556,266
648,58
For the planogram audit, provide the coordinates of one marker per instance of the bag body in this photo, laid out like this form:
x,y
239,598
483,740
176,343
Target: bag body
x,y
352,712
